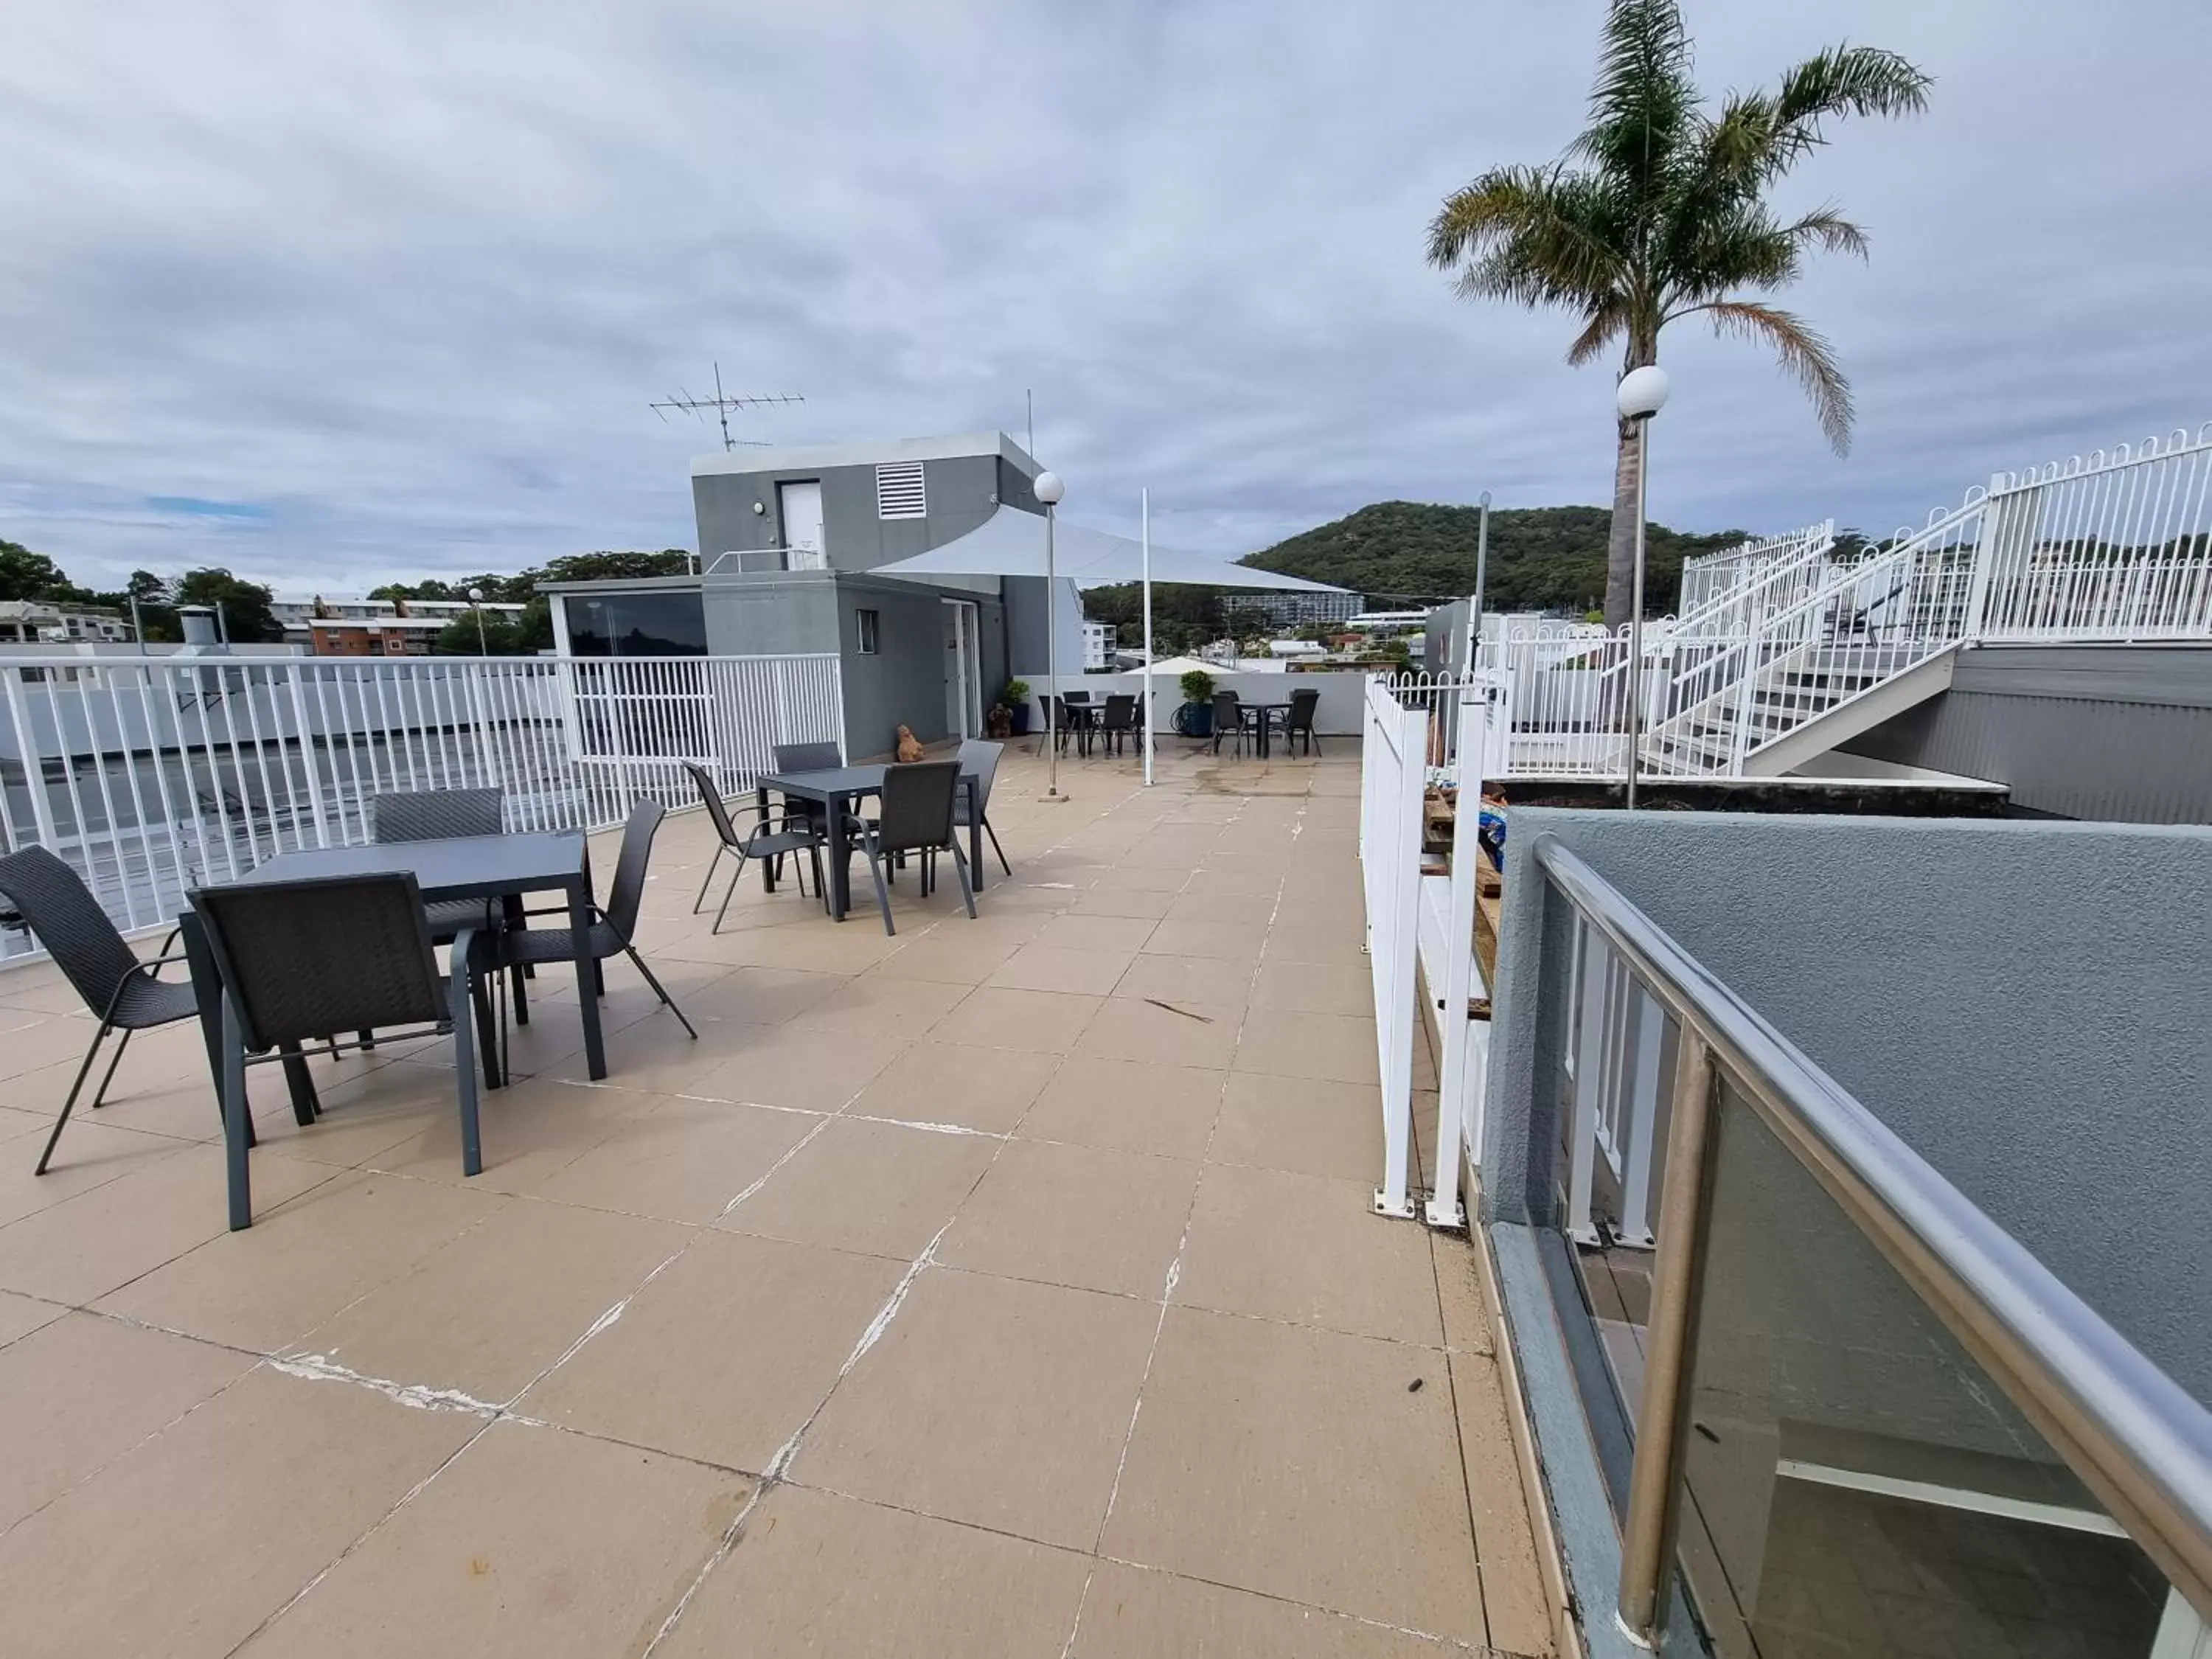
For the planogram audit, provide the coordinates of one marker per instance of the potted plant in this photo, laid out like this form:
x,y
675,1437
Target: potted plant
x,y
1016,696
1195,718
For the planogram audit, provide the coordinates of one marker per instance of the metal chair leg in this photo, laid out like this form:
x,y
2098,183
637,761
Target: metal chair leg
x,y
670,1001
995,847
967,887
69,1103
708,880
727,895
882,893
107,1076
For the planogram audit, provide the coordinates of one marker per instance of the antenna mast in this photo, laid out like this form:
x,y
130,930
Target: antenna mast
x,y
721,403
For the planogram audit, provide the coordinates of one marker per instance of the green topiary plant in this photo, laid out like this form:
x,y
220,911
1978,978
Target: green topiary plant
x,y
1197,687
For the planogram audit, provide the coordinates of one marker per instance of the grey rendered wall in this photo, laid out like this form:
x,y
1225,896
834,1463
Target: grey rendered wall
x,y
905,682
961,493
2027,1004
2107,732
765,616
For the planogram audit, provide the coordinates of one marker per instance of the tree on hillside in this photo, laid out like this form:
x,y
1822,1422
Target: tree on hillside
x,y
27,575
1659,211
1543,558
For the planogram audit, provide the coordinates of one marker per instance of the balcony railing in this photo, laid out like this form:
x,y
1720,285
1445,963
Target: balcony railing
x,y
1849,1369
151,774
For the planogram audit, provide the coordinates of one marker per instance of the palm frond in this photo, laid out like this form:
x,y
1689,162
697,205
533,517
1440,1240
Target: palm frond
x,y
1841,81
1644,101
1806,356
1540,235
1828,228
1607,323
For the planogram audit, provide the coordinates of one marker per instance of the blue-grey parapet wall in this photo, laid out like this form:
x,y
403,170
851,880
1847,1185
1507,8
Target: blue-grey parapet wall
x,y
2029,1004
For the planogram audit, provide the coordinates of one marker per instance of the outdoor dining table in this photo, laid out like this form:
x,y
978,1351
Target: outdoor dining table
x,y
840,789
468,868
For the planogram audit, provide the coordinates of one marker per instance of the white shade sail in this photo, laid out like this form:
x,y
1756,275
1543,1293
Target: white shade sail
x,y
1010,543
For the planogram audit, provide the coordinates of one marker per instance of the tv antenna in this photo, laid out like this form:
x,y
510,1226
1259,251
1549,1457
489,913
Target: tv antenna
x,y
721,403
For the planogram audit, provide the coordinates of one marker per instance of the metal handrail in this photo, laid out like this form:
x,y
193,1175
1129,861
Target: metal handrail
x,y
2140,1444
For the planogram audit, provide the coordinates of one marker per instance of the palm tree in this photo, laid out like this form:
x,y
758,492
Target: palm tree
x,y
1658,211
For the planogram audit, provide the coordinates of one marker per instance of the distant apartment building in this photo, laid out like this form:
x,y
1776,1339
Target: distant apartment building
x,y
1098,647
39,622
371,636
351,626
1301,610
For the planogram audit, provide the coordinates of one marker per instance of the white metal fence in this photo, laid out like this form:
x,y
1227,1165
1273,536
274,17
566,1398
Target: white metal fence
x,y
1775,634
152,774
1392,776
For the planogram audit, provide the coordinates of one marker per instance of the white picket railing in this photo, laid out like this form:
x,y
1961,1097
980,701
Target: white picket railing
x,y
1392,777
2116,545
151,774
1775,634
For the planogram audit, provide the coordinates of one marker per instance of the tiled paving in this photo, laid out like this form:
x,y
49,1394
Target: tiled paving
x,y
1002,1287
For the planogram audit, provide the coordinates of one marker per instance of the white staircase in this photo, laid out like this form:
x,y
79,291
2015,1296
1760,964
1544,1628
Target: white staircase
x,y
1784,649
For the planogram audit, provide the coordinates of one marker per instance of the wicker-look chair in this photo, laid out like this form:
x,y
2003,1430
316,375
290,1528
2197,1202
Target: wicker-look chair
x,y
981,757
120,991
775,836
612,933
809,757
1229,715
441,815
1298,719
914,815
299,958
1117,720
449,814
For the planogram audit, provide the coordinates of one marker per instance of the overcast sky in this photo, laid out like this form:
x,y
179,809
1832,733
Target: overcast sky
x,y
335,292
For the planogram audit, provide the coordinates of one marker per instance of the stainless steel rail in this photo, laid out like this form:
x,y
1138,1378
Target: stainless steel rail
x,y
2142,1444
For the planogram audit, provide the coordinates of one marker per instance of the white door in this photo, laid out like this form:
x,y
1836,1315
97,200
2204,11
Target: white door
x,y
963,670
799,507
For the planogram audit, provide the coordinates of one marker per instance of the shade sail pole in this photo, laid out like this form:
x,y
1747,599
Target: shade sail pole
x,y
1146,516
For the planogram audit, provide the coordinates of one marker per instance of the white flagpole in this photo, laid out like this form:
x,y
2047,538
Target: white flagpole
x,y
1147,520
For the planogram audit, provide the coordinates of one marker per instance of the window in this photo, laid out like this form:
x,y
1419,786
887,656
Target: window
x,y
665,625
870,635
900,492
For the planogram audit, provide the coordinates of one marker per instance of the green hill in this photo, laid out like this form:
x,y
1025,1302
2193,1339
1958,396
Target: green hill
x,y
1541,558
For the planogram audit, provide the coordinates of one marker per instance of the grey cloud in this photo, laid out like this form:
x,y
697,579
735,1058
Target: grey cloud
x,y
406,276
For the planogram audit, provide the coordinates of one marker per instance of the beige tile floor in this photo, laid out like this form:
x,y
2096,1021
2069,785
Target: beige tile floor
x,y
1002,1287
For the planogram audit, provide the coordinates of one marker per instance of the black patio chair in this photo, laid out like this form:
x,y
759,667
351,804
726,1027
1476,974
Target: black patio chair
x,y
775,834
1230,716
341,953
122,991
914,815
1298,720
447,815
614,929
981,757
1117,720
810,757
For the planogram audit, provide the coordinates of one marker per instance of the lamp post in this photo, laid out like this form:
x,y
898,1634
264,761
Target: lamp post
x,y
476,599
1641,394
1049,490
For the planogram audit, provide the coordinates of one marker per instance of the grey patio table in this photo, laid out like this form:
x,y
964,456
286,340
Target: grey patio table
x,y
472,866
839,788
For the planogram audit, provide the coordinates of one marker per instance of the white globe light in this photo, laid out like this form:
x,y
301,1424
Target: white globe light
x,y
1642,392
1049,489
476,596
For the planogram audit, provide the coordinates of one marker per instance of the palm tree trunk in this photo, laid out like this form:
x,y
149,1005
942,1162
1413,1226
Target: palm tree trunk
x,y
1620,546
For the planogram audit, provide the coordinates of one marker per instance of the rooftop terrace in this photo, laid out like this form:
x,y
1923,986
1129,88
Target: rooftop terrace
x,y
1007,1286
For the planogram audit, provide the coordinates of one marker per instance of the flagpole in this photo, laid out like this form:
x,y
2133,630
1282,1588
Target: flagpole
x,y
1147,520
